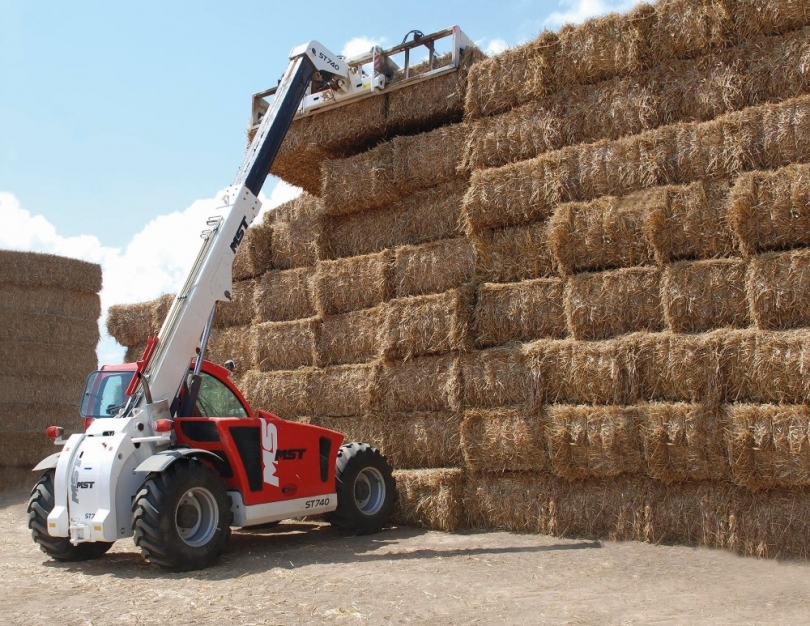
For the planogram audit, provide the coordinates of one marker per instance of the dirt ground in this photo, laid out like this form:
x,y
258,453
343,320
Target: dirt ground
x,y
307,573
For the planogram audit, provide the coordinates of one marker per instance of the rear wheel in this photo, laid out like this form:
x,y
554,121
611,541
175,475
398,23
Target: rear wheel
x,y
40,504
366,491
181,517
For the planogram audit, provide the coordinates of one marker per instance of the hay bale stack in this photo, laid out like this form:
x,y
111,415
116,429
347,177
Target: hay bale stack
x,y
504,439
284,295
236,343
239,310
50,308
352,283
342,390
133,324
433,267
421,325
430,498
284,345
283,393
254,255
350,337
420,440
771,210
427,383
603,234
512,254
689,221
423,216
594,441
702,295
524,311
769,445
683,441
296,232
764,69
495,377
778,285
607,304
355,127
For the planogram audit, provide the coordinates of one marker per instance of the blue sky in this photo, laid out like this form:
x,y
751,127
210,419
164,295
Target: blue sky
x,y
120,121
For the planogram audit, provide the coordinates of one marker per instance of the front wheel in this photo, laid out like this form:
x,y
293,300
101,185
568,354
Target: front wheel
x,y
40,504
181,517
366,491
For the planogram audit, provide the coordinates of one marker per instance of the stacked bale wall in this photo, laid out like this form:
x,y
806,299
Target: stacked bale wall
x,y
50,308
582,310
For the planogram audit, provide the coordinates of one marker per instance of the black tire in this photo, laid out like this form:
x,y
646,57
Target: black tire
x,y
40,504
366,491
182,517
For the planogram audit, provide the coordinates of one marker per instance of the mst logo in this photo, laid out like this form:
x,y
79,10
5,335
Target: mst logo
x,y
240,233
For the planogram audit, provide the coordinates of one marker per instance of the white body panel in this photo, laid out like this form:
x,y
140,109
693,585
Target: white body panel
x,y
276,511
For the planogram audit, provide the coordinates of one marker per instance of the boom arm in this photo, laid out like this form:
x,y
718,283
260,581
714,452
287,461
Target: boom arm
x,y
211,276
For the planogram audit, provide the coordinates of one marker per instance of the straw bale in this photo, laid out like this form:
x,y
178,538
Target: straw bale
x,y
283,393
409,440
771,524
430,498
432,324
16,479
50,300
428,383
32,269
513,254
45,328
668,367
352,283
603,234
581,372
778,284
33,416
297,229
133,324
433,267
359,182
504,439
752,17
769,445
517,501
23,358
428,159
283,295
606,304
64,388
771,210
702,295
342,390
254,255
350,337
683,441
355,127
495,377
689,221
134,353
425,215
765,367
594,441
235,344
239,311
284,345
516,75
524,311
26,449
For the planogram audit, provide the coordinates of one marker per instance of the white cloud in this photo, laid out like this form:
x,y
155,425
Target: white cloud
x,y
580,10
360,45
495,46
155,261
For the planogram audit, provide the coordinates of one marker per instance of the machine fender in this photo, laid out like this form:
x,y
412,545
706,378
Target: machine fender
x,y
160,461
47,463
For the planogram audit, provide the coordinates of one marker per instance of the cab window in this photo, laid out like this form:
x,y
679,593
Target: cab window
x,y
216,400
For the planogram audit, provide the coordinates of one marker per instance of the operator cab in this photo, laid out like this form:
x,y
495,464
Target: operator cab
x,y
105,393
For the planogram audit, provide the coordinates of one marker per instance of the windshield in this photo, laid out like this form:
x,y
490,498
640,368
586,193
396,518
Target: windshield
x,y
104,393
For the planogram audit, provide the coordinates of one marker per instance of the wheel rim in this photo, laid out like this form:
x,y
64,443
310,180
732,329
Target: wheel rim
x,y
197,517
369,491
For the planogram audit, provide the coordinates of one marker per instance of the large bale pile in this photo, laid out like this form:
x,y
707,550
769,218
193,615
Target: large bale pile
x,y
50,307
582,310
